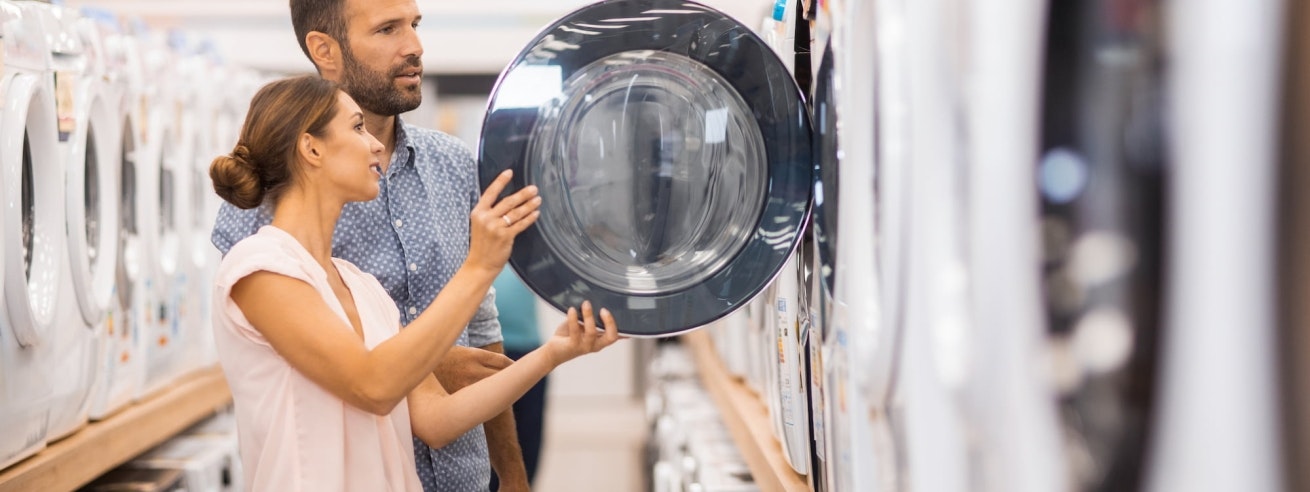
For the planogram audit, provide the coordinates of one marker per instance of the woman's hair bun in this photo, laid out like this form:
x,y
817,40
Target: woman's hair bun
x,y
236,180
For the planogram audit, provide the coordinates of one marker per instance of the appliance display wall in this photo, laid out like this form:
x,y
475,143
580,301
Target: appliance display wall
x,y
83,126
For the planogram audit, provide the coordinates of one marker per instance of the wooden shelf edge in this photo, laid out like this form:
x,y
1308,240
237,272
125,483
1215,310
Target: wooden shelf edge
x,y
100,446
747,419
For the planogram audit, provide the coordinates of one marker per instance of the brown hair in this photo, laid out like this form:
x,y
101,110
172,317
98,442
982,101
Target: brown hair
x,y
325,16
262,163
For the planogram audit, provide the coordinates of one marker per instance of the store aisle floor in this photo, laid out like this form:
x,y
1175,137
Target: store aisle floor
x,y
592,444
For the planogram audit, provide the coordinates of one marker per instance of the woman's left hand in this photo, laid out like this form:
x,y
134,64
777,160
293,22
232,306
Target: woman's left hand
x,y
573,339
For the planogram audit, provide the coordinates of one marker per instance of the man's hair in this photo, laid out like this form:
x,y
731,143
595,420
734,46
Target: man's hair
x,y
325,16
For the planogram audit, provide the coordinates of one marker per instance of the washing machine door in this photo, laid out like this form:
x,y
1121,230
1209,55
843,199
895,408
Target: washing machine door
x,y
1102,176
825,185
671,148
33,215
92,209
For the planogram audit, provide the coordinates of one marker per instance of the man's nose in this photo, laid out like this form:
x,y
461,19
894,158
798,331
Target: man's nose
x,y
413,45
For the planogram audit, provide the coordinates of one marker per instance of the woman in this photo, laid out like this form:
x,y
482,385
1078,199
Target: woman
x,y
328,390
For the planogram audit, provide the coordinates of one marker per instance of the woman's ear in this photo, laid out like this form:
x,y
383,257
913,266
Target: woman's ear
x,y
325,52
309,149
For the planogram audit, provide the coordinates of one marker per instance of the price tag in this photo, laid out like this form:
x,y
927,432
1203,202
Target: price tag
x,y
65,105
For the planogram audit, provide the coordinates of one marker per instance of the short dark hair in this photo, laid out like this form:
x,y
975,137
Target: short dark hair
x,y
325,16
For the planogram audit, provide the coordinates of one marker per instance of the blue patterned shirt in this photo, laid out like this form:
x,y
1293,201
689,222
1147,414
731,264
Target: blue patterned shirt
x,y
412,237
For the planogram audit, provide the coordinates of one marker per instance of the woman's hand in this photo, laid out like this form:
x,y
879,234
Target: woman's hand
x,y
494,225
572,339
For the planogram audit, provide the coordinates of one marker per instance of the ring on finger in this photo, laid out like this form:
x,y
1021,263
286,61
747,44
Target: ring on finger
x,y
507,221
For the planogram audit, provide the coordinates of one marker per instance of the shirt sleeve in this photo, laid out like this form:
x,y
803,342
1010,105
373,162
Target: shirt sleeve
x,y
484,329
255,255
234,224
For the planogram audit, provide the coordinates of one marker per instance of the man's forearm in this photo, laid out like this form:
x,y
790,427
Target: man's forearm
x,y
503,445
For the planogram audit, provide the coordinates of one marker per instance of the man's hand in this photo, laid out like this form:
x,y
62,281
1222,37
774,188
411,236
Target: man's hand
x,y
463,366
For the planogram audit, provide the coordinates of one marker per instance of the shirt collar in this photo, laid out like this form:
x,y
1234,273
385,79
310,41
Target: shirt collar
x,y
404,149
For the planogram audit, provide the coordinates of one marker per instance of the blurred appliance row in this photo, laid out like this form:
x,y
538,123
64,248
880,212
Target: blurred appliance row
x,y
203,458
691,449
107,130
1042,249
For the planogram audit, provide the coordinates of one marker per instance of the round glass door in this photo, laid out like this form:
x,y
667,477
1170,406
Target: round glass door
x,y
825,185
671,149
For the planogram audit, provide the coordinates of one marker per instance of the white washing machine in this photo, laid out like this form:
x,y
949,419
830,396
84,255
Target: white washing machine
x,y
793,403
201,75
860,234
173,224
1016,423
934,373
789,401
118,360
161,248
1217,421
88,158
33,233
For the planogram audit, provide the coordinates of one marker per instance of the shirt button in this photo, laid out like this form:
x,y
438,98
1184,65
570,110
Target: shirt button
x,y
399,223
413,267
413,310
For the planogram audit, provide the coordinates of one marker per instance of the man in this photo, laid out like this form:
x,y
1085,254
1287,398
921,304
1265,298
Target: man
x,y
415,235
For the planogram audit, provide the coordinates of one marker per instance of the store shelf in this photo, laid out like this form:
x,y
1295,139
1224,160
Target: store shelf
x,y
101,446
746,417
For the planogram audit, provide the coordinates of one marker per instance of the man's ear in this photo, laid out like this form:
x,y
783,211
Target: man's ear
x,y
325,52
309,150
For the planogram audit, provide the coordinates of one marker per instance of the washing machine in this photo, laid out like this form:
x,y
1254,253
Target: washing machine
x,y
215,136
87,154
859,231
793,403
672,150
1216,421
1014,416
822,259
33,222
810,333
196,112
158,175
789,404
116,372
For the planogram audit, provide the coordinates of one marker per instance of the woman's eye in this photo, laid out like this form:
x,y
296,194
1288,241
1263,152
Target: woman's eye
x,y
359,127
386,30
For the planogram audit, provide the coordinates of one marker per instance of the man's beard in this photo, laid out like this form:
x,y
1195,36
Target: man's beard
x,y
376,92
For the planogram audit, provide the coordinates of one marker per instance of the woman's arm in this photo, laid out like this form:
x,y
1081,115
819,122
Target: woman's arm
x,y
303,329
438,417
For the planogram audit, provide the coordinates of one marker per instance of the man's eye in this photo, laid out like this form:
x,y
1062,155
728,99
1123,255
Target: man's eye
x,y
386,30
